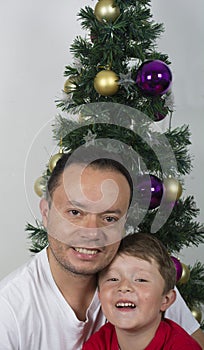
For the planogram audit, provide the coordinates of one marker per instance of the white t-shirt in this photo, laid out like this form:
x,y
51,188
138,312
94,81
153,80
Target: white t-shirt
x,y
35,316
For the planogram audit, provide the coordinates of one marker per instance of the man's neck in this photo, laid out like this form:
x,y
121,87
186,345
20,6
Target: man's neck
x,y
78,290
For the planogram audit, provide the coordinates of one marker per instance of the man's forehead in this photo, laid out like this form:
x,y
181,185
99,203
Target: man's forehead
x,y
99,191
85,174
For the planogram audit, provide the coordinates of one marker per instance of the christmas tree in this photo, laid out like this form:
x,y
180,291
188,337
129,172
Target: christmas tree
x,y
118,88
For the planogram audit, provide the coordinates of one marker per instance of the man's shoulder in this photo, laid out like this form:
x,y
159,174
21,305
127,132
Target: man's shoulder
x,y
23,276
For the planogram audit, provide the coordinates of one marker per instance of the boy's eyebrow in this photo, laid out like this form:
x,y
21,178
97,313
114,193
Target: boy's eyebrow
x,y
107,270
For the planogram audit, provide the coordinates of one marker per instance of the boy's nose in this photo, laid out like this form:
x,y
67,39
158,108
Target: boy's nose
x,y
125,286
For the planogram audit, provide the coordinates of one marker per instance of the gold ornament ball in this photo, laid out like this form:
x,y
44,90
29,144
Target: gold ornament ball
x,y
185,274
106,10
70,84
173,189
197,313
106,83
53,160
39,186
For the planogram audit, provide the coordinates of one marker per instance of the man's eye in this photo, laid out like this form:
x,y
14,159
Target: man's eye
x,y
74,212
110,219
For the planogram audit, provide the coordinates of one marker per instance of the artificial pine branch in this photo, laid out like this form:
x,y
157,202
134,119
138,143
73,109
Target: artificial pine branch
x,y
38,236
180,230
75,138
193,290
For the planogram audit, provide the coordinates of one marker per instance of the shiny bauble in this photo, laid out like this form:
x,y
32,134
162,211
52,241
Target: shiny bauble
x,y
106,10
70,84
149,191
39,186
53,160
159,116
185,274
197,313
154,78
106,83
178,267
172,189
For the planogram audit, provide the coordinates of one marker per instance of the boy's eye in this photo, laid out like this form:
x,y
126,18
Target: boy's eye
x,y
112,279
140,280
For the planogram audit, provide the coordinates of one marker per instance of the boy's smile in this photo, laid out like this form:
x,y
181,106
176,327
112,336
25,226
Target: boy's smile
x,y
131,292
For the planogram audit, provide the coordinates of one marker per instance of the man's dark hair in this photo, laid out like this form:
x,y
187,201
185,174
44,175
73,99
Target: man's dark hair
x,y
91,156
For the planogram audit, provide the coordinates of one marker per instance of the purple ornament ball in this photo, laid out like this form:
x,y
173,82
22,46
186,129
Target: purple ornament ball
x,y
154,78
158,117
149,191
178,267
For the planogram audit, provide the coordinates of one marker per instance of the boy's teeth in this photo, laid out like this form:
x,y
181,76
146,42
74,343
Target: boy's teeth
x,y
86,251
126,305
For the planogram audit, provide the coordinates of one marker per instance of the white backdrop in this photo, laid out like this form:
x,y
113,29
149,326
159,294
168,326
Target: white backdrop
x,y
35,37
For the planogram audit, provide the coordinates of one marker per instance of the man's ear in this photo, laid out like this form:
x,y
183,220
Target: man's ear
x,y
168,299
44,209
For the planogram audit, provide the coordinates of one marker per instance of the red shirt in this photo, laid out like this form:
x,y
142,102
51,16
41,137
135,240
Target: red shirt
x,y
169,336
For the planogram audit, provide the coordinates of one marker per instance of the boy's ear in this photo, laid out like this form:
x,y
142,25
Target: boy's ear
x,y
168,299
44,209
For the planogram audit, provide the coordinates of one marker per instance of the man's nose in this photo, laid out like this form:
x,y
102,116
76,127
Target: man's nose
x,y
92,227
91,221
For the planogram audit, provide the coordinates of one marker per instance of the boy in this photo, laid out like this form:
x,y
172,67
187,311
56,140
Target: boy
x,y
135,290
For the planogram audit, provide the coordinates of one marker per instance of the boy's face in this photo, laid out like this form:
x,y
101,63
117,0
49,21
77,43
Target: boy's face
x,y
131,293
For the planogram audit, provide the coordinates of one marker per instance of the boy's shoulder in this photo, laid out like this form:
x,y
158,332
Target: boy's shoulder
x,y
104,338
107,331
172,333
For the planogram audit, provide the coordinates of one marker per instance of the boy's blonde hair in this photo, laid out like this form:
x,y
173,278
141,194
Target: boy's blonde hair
x,y
147,247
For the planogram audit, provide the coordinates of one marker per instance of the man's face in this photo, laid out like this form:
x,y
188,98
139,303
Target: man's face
x,y
86,217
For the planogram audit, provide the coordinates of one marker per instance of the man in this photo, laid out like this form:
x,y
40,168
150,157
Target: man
x,y
51,302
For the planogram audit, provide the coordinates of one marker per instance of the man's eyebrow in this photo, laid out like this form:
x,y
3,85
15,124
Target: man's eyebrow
x,y
115,211
83,206
77,204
